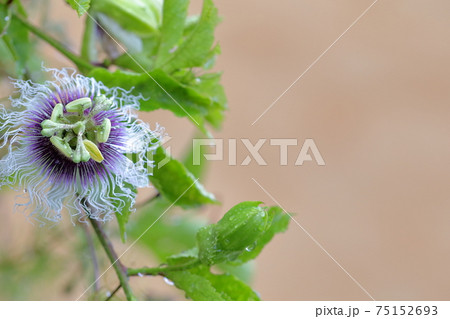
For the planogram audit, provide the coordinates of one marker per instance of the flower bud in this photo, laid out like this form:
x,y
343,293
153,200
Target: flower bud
x,y
242,226
238,230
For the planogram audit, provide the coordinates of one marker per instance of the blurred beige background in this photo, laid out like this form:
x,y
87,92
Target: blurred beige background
x,y
377,104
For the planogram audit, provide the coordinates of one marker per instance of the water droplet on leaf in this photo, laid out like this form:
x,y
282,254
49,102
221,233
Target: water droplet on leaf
x,y
168,281
251,247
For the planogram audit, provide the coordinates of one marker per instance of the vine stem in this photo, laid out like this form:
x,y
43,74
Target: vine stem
x,y
120,269
161,271
81,63
90,244
114,292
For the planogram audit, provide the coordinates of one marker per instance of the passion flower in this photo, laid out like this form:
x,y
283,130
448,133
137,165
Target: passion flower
x,y
70,144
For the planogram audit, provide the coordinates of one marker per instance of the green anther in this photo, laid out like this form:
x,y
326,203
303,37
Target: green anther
x,y
49,128
103,131
76,158
102,103
81,154
49,124
48,132
78,106
76,135
57,113
62,146
85,156
93,150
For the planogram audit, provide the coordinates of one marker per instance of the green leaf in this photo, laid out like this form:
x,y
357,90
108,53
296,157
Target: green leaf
x,y
200,97
190,24
201,285
195,49
198,170
21,41
131,42
17,41
5,15
232,288
159,90
187,256
20,9
81,6
173,23
176,183
138,16
279,224
209,252
209,85
137,62
123,201
18,52
243,272
196,287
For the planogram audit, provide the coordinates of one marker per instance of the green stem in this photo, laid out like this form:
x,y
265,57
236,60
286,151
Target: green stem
x,y
113,293
88,49
161,271
121,271
56,44
90,244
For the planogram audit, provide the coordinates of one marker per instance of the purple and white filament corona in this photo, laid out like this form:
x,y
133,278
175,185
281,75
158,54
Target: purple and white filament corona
x,y
69,144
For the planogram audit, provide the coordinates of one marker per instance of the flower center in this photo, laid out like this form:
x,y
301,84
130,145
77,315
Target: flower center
x,y
74,132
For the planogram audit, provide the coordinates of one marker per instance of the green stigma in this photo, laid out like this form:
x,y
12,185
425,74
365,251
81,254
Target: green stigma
x,y
75,134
